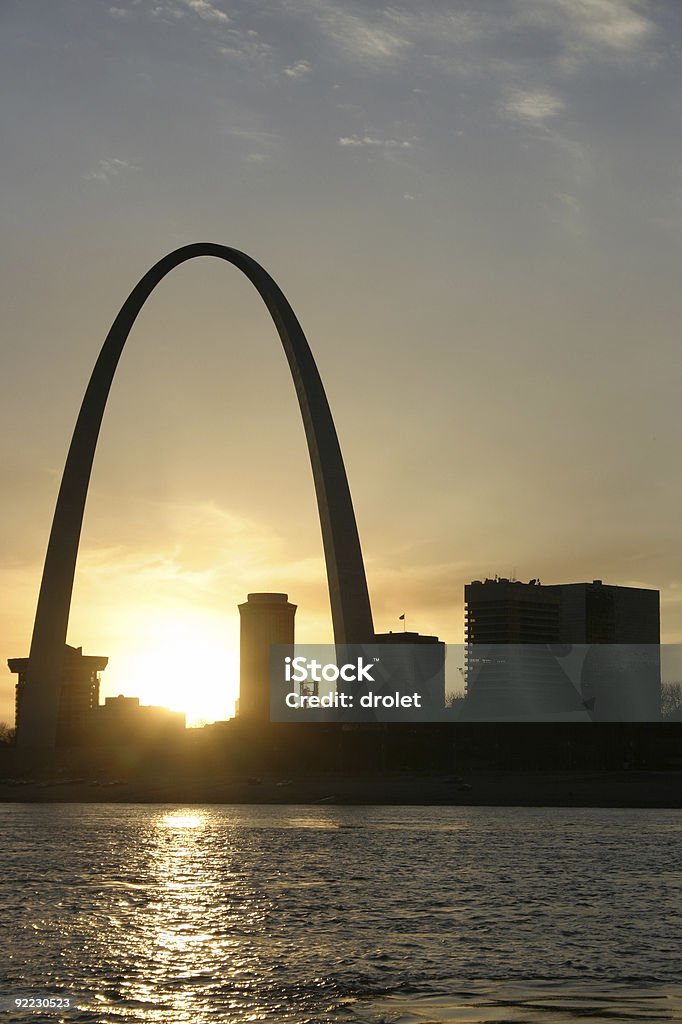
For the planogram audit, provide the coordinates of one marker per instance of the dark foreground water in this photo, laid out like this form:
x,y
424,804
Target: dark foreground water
x,y
363,914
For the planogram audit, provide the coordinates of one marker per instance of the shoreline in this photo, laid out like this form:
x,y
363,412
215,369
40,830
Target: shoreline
x,y
633,789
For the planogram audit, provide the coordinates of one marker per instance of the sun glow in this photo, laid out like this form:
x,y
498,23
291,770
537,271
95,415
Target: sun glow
x,y
183,661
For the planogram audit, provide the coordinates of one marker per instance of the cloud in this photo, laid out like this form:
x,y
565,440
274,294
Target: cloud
x,y
536,106
106,170
359,34
167,12
119,12
242,46
253,135
256,147
219,543
357,141
180,9
384,35
300,69
589,29
206,10
548,35
569,215
245,47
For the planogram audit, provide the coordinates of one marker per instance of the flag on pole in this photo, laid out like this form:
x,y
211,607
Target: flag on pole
x,y
401,617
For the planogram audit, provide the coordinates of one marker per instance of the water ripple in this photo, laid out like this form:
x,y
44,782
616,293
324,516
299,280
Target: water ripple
x,y
235,914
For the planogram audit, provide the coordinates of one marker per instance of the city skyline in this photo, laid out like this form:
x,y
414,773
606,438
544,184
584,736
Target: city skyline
x,y
486,274
345,570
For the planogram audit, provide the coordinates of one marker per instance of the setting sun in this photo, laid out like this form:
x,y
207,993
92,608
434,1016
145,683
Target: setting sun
x,y
183,661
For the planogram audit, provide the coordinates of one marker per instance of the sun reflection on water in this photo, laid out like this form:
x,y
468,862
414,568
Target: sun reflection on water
x,y
178,819
193,944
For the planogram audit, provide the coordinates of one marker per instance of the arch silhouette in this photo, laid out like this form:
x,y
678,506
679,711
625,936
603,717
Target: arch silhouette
x,y
349,598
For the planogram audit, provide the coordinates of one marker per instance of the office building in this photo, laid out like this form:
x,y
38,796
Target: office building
x,y
124,722
503,611
620,682
78,695
427,673
265,619
596,613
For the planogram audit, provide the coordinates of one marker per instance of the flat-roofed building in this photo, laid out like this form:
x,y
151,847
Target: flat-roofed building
x,y
434,690
123,721
504,611
614,630
78,695
599,613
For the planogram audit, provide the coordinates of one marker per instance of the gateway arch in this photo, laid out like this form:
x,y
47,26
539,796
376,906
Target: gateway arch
x,y
350,606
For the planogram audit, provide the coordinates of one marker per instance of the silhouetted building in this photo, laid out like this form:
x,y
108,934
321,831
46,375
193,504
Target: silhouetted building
x,y
435,694
78,695
596,613
265,619
503,611
620,682
403,637
124,722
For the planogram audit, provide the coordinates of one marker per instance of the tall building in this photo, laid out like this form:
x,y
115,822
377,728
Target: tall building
x,y
503,611
614,631
595,613
265,619
78,695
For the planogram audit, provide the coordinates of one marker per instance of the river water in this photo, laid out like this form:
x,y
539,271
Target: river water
x,y
142,913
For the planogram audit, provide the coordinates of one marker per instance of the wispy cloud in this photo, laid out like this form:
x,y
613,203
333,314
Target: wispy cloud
x,y
359,141
382,35
300,69
240,44
178,10
360,36
164,12
220,542
534,105
552,40
245,47
106,170
580,28
257,147
206,10
569,215
588,29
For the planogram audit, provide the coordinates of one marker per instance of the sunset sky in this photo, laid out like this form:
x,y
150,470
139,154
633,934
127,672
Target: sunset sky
x,y
474,208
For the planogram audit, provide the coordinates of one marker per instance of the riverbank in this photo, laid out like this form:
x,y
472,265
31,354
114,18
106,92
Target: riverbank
x,y
522,789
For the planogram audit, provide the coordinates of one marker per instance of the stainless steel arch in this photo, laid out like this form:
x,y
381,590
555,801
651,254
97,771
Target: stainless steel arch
x,y
351,611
